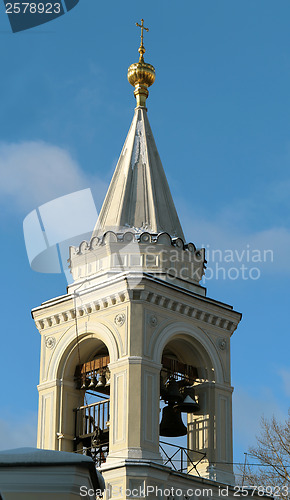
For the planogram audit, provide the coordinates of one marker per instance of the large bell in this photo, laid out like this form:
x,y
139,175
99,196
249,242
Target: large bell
x,y
172,394
171,424
182,383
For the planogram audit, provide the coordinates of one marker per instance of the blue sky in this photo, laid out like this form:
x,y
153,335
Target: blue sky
x,y
219,111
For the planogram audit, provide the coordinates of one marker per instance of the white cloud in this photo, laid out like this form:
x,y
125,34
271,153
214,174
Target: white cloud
x,y
33,173
18,432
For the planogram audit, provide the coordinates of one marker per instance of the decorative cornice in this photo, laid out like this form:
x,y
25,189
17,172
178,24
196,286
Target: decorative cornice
x,y
83,310
197,312
139,236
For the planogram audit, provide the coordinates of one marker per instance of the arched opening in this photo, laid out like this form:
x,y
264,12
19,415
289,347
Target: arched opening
x,y
92,417
184,420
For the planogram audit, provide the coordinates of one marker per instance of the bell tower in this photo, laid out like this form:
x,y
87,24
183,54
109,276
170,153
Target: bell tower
x,y
136,340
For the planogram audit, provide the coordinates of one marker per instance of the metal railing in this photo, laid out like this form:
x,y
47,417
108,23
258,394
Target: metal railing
x,y
92,430
99,453
92,419
92,438
180,459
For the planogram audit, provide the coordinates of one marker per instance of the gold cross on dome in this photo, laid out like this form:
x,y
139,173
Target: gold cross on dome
x,y
142,28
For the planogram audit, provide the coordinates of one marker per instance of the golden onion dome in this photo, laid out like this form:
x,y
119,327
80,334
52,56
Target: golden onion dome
x,y
141,75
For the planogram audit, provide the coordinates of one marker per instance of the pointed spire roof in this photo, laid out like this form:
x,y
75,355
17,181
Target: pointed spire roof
x,y
139,196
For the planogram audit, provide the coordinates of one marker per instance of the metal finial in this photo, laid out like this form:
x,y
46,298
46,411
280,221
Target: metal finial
x,y
141,49
141,75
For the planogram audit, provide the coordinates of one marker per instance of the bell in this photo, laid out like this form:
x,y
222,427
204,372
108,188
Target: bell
x,y
188,405
92,383
85,383
108,379
182,383
101,381
172,394
171,424
188,390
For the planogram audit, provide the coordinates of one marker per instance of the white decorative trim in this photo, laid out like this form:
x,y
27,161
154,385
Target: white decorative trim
x,y
120,414
50,342
120,319
222,343
68,344
47,385
161,338
153,321
149,403
198,312
135,360
45,430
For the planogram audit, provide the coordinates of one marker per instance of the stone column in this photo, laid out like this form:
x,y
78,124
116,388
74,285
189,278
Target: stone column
x,y
134,413
210,431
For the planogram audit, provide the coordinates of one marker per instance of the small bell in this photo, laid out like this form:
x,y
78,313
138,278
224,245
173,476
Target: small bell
x,y
85,383
101,381
108,378
92,384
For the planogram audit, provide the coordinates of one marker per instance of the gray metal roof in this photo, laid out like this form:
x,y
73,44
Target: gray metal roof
x,y
34,457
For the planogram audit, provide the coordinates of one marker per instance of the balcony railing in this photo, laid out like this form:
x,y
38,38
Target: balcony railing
x,y
181,459
92,426
92,438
